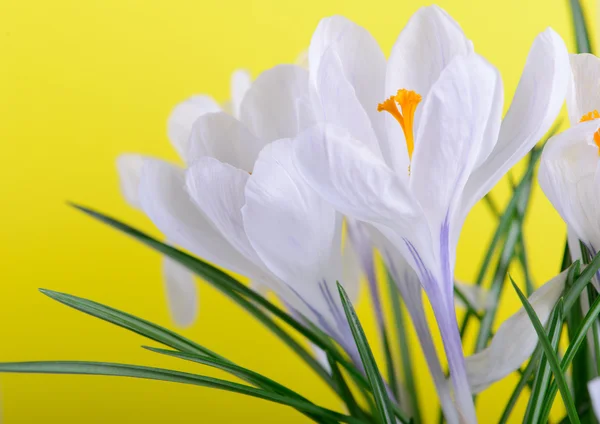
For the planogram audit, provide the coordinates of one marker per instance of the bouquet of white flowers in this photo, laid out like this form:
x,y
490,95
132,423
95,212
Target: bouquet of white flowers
x,y
313,168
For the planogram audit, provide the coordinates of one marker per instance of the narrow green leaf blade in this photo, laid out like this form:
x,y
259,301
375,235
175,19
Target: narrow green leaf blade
x,y
136,371
242,295
550,355
366,355
544,372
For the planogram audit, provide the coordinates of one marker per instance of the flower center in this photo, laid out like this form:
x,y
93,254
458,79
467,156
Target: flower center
x,y
591,116
408,101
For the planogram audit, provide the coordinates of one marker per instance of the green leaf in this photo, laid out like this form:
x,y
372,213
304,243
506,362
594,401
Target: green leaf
x,y
582,36
544,372
156,332
243,296
550,355
240,372
353,407
572,296
525,377
227,366
135,371
400,325
378,387
577,340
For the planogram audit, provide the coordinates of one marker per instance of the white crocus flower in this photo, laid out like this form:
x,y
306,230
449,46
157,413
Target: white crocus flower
x,y
242,205
569,170
182,296
416,172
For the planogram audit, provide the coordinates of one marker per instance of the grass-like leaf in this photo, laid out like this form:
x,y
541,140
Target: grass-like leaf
x,y
243,296
550,354
544,372
577,340
582,35
243,373
400,326
138,325
124,370
525,376
378,387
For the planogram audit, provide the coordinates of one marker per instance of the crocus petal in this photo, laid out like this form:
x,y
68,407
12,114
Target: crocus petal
x,y
221,136
183,117
240,84
568,176
339,104
351,177
182,295
409,286
515,340
537,101
129,167
594,389
286,220
584,91
164,200
277,104
297,235
362,63
217,189
428,43
457,113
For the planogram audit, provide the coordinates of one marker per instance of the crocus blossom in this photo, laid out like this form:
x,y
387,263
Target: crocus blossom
x,y
414,164
569,165
241,204
180,287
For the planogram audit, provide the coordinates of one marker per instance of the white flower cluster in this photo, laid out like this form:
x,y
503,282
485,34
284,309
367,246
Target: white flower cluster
x,y
399,150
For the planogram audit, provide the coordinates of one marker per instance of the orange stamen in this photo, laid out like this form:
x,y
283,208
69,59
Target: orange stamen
x,y
408,101
590,116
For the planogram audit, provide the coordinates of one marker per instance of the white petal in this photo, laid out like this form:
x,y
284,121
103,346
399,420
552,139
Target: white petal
x,y
240,84
515,340
584,91
537,101
181,292
289,225
129,167
298,237
338,102
410,288
347,173
428,43
568,176
458,112
221,136
362,63
164,200
594,389
277,104
183,117
218,190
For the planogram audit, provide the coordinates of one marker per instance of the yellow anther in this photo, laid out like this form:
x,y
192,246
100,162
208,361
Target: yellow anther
x,y
590,116
597,140
408,101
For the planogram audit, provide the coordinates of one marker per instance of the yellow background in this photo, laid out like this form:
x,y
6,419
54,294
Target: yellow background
x,y
81,82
